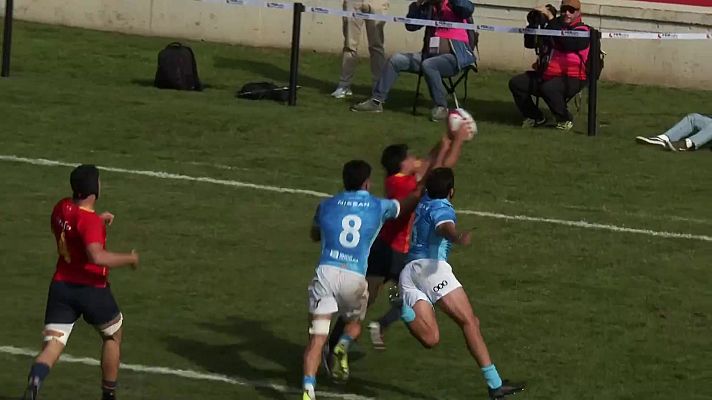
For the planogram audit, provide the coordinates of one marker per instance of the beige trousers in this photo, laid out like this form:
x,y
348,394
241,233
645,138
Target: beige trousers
x,y
353,32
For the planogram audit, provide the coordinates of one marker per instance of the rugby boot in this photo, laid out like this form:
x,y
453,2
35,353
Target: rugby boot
x,y
340,363
508,388
309,394
376,334
33,390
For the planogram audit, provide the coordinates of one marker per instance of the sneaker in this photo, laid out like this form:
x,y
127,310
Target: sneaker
x,y
342,92
369,105
654,140
508,388
679,145
340,364
565,125
439,114
374,328
326,358
534,123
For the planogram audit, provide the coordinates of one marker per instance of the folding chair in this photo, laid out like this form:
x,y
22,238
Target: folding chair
x,y
450,85
578,99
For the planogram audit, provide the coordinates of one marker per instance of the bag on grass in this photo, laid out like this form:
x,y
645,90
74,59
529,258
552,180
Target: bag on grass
x,y
262,91
177,69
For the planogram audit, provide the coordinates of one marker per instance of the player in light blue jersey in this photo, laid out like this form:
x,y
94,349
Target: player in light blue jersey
x,y
428,279
346,224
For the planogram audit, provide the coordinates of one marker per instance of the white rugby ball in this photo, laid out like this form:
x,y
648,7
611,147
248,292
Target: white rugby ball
x,y
459,116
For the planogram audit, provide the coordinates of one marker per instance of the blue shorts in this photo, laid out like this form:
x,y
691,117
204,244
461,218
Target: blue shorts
x,y
66,302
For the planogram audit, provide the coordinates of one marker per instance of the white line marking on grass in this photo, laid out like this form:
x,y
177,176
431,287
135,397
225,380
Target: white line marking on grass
x,y
485,214
184,373
165,175
589,225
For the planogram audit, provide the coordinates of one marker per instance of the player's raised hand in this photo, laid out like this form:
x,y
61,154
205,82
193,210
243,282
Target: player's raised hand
x,y
134,262
107,217
463,133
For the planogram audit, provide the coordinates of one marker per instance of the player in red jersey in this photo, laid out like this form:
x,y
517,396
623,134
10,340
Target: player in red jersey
x,y
388,252
80,284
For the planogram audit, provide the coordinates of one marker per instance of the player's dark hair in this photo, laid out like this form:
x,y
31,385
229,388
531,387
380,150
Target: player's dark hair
x,y
392,157
355,174
439,183
84,180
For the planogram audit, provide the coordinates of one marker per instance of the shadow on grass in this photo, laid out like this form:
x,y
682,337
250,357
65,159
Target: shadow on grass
x,y
259,356
149,83
280,75
399,100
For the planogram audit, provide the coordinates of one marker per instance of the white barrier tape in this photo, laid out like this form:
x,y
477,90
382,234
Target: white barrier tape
x,y
460,25
656,36
441,24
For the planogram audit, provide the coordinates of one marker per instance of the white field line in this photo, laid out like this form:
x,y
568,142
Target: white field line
x,y
184,373
486,214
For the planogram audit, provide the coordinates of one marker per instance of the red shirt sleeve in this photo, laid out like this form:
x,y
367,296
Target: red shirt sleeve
x,y
91,229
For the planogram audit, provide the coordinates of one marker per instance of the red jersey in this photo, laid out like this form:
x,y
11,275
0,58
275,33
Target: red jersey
x,y
75,228
397,232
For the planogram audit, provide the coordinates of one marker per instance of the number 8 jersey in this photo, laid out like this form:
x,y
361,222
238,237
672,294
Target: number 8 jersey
x,y
349,223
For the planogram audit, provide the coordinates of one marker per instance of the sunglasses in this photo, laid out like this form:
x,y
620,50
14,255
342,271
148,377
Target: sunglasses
x,y
567,9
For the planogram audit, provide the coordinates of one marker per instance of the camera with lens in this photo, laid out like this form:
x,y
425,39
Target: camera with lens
x,y
538,18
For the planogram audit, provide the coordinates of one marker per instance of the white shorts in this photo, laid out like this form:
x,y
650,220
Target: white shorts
x,y
335,290
427,279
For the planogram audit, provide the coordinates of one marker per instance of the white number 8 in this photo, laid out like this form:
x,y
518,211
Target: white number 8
x,y
351,224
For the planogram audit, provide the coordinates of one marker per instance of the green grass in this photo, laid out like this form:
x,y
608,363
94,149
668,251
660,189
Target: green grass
x,y
578,313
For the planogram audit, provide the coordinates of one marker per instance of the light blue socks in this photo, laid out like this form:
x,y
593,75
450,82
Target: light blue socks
x,y
407,313
492,376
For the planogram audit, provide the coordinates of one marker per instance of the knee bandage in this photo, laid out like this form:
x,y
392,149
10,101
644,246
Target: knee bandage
x,y
113,328
58,332
320,327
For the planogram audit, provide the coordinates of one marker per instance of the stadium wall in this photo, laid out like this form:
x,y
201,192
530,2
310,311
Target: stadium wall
x,y
675,63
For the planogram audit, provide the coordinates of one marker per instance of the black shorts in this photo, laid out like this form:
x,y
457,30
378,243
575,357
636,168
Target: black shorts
x,y
385,262
66,302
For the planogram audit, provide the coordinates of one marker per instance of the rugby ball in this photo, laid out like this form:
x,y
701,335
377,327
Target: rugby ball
x,y
459,116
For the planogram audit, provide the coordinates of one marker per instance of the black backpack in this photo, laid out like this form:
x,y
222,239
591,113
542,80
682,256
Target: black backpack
x,y
263,91
177,69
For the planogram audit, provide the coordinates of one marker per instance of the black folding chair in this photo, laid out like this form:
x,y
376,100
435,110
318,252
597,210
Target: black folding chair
x,y
450,84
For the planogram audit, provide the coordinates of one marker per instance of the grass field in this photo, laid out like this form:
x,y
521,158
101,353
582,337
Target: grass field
x,y
579,313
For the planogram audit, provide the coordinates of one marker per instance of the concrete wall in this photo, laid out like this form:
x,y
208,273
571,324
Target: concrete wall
x,y
669,63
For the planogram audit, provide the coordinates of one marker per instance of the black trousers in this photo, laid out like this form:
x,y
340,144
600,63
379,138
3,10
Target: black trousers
x,y
555,93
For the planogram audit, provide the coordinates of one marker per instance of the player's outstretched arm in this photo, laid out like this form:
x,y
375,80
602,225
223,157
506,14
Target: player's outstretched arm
x,y
449,158
438,151
448,230
99,256
408,204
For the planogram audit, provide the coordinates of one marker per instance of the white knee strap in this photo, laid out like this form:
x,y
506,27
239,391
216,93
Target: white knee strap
x,y
320,327
113,328
63,329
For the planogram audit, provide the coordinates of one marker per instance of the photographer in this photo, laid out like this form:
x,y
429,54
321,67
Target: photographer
x,y
445,52
560,71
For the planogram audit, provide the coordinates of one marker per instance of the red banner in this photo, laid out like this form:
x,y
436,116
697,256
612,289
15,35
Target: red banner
x,y
701,3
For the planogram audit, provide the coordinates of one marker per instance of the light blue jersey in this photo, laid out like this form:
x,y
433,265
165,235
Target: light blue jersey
x,y
425,242
349,223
